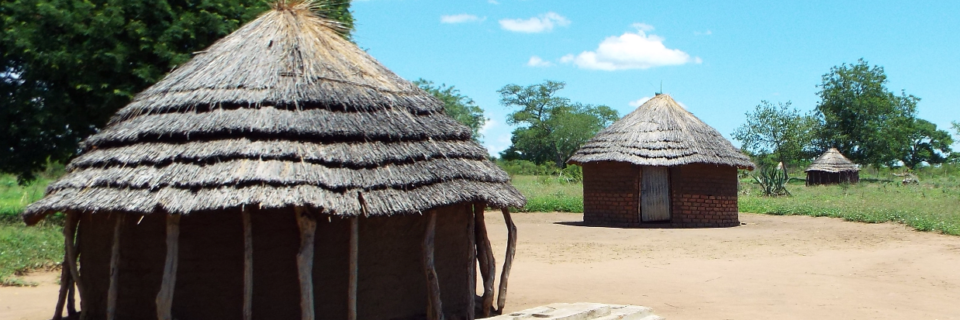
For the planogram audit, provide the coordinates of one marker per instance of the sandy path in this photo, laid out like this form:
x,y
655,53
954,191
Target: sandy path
x,y
772,267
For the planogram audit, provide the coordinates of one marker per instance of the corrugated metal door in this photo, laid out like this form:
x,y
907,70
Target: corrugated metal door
x,y
654,194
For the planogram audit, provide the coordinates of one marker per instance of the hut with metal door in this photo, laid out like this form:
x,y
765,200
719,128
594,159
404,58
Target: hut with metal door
x,y
832,168
281,173
660,164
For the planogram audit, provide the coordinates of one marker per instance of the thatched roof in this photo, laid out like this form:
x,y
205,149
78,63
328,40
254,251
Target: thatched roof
x,y
661,133
832,161
283,112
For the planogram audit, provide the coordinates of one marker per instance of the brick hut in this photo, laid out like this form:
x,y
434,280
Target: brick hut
x,y
282,173
660,164
832,168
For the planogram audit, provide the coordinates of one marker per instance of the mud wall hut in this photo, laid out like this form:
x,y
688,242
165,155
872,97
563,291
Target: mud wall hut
x,y
832,167
660,164
282,173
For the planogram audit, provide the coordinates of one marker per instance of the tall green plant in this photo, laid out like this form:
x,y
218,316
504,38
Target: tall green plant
x,y
773,181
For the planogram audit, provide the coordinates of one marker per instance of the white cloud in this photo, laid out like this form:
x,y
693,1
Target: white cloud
x,y
704,33
543,23
536,61
631,51
493,2
460,18
490,123
639,102
502,142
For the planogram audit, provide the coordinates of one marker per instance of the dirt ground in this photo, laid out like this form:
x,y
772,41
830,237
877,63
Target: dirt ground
x,y
771,267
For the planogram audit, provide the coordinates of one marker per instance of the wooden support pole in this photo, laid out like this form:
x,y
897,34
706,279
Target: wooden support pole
x,y
247,266
69,229
71,307
308,228
165,297
434,307
508,260
472,265
354,256
488,266
114,272
64,289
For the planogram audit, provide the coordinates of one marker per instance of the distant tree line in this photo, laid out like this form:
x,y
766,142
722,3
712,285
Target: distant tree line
x,y
856,114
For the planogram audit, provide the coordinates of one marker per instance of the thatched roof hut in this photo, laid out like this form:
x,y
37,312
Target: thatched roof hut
x,y
832,168
279,172
660,163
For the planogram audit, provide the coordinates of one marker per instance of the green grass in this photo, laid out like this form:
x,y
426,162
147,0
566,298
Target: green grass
x,y
25,248
548,194
14,197
933,205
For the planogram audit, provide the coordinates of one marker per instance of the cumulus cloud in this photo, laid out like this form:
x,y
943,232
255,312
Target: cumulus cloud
x,y
543,23
639,102
460,18
536,61
631,50
704,33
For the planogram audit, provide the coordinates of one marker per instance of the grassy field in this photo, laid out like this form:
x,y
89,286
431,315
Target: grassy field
x,y
547,194
933,205
25,248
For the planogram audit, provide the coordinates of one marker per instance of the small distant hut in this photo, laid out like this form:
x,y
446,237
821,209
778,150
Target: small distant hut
x,y
660,164
281,173
832,168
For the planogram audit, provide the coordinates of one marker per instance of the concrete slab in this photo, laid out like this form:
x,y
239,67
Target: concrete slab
x,y
582,311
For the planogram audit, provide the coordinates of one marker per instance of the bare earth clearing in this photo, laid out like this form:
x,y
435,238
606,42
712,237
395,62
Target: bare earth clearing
x,y
793,267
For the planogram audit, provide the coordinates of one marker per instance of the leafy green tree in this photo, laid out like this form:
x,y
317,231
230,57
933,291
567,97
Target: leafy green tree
x,y
860,117
551,128
779,130
67,65
456,105
926,144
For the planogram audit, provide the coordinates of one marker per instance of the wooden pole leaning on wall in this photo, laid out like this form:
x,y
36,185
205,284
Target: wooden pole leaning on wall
x,y
69,229
472,265
488,266
114,268
308,229
508,260
354,256
434,307
165,296
247,265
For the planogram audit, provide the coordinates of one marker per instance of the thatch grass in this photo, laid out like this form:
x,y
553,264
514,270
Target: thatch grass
x,y
661,133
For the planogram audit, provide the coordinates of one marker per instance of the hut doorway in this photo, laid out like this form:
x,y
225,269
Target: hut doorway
x,y
654,194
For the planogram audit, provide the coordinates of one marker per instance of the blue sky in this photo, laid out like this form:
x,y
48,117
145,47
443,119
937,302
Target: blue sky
x,y
718,58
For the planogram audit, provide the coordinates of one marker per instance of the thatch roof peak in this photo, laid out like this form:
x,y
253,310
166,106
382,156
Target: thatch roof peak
x,y
832,161
661,133
283,112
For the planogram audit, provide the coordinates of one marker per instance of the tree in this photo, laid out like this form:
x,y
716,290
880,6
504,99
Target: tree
x,y
926,144
860,117
456,105
67,65
551,128
777,129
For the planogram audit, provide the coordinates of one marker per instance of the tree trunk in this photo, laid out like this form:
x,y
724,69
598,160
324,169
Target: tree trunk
x,y
114,269
308,228
488,267
165,296
508,260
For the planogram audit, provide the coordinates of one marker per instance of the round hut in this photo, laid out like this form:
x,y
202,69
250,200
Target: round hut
x,y
282,173
660,164
832,168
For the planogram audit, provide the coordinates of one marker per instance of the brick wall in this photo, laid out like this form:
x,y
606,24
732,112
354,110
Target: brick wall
x,y
610,193
704,196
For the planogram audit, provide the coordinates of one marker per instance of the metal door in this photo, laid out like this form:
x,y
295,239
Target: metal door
x,y
654,194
